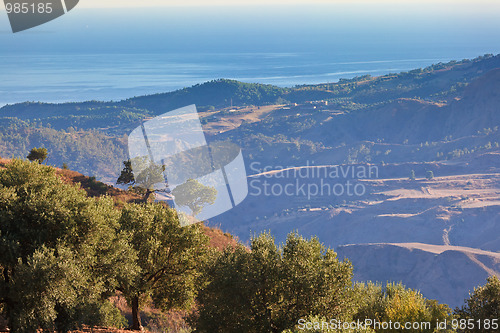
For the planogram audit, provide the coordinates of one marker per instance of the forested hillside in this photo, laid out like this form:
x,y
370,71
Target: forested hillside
x,y
90,137
431,134
89,151
68,256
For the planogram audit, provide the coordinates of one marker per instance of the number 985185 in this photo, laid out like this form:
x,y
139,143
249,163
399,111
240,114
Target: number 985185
x,y
28,8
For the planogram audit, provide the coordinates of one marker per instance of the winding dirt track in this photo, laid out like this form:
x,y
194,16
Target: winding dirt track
x,y
438,249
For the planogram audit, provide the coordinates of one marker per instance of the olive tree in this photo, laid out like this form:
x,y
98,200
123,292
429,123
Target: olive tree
x,y
38,154
145,177
168,257
194,195
483,304
269,288
61,251
394,302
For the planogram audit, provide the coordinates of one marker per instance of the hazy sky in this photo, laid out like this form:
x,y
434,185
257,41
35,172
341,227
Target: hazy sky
x,y
141,3
463,6
108,49
486,4
461,28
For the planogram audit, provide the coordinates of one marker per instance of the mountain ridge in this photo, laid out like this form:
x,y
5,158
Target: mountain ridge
x,y
423,267
454,75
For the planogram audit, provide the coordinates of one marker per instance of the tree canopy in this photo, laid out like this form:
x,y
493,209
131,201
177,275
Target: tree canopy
x,y
483,304
64,254
393,302
268,289
38,154
194,195
62,251
167,257
146,175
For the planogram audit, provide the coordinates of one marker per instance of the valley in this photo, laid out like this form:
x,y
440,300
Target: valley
x,y
425,212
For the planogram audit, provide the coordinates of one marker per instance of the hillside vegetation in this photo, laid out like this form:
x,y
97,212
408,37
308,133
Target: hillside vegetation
x,y
431,134
91,137
79,253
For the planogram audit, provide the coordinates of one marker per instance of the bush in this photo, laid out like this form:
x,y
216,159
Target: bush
x,y
396,303
483,303
72,256
38,154
268,289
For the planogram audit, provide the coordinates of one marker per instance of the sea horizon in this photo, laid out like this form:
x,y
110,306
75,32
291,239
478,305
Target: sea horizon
x,y
61,78
86,56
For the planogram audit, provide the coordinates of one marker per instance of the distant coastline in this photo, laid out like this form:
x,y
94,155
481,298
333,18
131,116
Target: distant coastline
x,y
77,78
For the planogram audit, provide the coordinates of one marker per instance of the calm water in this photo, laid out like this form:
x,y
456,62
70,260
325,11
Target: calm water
x,y
58,78
111,55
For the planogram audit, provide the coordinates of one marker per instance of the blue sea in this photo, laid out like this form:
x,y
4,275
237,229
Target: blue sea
x,y
116,54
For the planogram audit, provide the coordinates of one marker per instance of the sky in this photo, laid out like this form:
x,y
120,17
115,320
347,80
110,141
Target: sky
x,y
266,25
474,7
481,4
238,39
161,3
451,5
483,9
